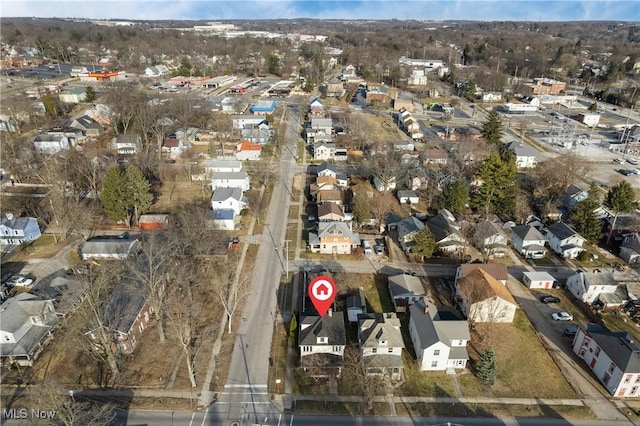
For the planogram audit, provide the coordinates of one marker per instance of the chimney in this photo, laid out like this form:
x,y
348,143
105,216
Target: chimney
x,y
330,312
426,308
9,215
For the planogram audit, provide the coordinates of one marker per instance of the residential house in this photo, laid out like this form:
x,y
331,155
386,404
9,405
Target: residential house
x,y
319,130
321,341
491,97
564,240
156,71
405,290
538,280
408,197
526,157
434,156
66,293
244,120
490,239
174,147
247,151
407,229
380,341
446,232
334,87
624,224
89,126
333,238
439,337
528,241
323,183
18,230
263,107
356,304
230,180
587,286
483,299
574,194
73,95
331,212
496,270
229,199
260,134
111,248
316,108
409,158
126,315
222,219
222,165
26,322
126,144
326,169
404,146
384,185
417,77
630,248
377,92
348,73
613,357
324,150
329,196
8,123
48,144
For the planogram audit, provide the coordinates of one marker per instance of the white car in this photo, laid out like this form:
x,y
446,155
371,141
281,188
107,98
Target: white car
x,y
562,316
19,281
632,161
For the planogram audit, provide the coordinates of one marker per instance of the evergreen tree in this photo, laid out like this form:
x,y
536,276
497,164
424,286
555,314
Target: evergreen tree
x,y
455,196
487,368
114,195
492,129
584,216
620,199
90,94
498,189
138,191
424,244
50,105
361,207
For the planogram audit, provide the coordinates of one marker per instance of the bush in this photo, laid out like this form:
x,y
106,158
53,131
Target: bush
x,y
583,256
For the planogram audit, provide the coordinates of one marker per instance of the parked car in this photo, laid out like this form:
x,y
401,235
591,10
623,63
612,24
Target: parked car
x,y
570,331
19,281
378,249
618,160
632,161
547,298
562,316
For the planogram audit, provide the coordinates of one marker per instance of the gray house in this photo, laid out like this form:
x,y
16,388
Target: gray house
x,y
18,230
405,290
528,241
630,248
381,344
321,341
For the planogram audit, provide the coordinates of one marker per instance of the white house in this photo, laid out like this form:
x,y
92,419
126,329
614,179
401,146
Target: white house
x,y
321,341
384,185
381,344
614,358
230,180
491,97
528,241
439,337
222,165
247,151
490,239
564,240
526,157
630,248
446,232
333,238
126,144
405,290
484,299
538,280
73,95
326,169
323,150
587,286
319,130
18,230
496,270
26,322
156,71
229,198
109,248
242,121
52,144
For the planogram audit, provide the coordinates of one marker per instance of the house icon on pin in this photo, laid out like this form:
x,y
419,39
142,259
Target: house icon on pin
x,y
322,289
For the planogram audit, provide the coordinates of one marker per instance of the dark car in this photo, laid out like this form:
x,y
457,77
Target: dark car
x,y
570,331
547,298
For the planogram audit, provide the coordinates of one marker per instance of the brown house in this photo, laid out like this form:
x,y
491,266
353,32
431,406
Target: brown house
x,y
330,212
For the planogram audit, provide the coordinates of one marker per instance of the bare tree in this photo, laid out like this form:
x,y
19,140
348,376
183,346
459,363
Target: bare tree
x,y
356,373
125,102
381,206
555,175
231,292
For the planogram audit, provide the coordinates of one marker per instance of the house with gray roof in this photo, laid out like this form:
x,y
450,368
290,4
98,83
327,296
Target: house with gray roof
x,y
490,239
88,125
439,337
18,230
108,247
381,344
321,341
613,357
230,180
526,157
406,196
528,241
587,286
407,228
405,290
446,232
564,240
333,238
630,248
26,322
356,304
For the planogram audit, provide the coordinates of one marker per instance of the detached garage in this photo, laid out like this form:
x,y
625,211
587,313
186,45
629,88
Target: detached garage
x,y
538,280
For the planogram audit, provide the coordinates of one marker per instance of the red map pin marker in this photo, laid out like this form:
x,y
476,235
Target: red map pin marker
x,y
322,290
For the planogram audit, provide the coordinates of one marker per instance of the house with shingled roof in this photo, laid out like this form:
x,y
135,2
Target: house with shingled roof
x,y
439,337
405,290
528,241
333,238
483,299
490,239
630,248
496,270
564,240
321,341
613,357
446,232
381,344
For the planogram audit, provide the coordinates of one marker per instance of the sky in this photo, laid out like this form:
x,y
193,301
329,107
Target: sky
x,y
477,10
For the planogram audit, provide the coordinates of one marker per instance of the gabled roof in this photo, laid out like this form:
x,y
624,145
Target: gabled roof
x,y
373,328
17,222
333,194
222,194
483,286
407,193
329,208
621,347
562,231
88,123
527,233
326,166
408,225
125,303
108,246
326,229
521,150
601,278
487,229
330,326
442,225
400,285
245,145
437,324
496,270
632,241
17,310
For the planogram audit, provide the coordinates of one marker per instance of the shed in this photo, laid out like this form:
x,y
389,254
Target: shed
x,y
538,279
154,221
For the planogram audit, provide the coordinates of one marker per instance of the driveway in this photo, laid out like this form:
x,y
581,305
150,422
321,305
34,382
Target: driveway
x,y
559,347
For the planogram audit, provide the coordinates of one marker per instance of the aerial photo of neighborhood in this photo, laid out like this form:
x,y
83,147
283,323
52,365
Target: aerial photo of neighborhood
x,y
271,213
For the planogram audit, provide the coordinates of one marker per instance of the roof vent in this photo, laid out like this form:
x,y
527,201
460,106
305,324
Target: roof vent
x,y
9,215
